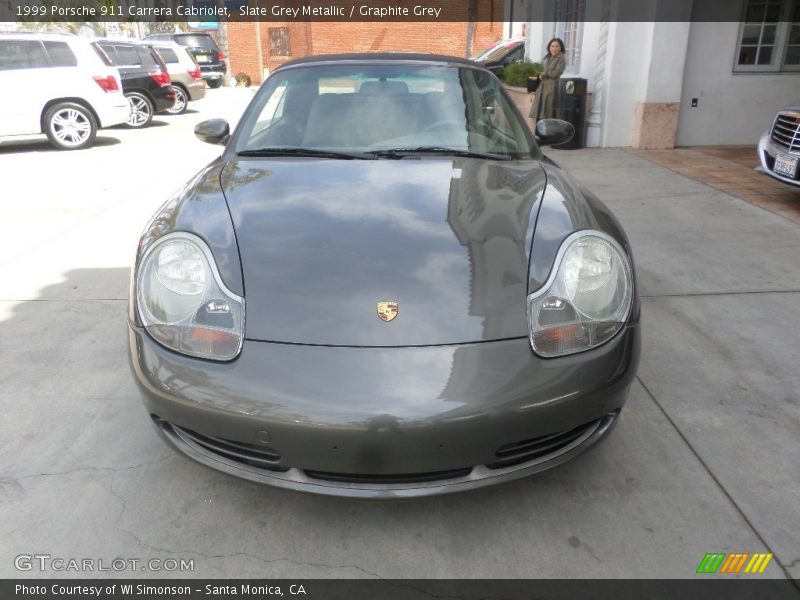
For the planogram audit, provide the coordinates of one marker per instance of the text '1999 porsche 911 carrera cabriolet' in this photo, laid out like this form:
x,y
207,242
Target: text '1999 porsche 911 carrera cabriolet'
x,y
382,288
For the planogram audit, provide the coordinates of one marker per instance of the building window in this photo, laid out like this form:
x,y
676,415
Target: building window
x,y
569,27
279,41
769,36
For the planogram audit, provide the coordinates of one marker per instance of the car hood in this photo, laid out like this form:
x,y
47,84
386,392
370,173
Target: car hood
x,y
323,241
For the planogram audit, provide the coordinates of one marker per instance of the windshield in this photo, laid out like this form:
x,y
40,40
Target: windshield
x,y
378,108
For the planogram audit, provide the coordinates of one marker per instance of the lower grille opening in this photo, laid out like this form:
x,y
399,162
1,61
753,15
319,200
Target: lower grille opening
x,y
252,455
526,450
389,479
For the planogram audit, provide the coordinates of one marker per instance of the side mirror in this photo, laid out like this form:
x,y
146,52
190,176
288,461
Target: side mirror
x,y
213,131
554,131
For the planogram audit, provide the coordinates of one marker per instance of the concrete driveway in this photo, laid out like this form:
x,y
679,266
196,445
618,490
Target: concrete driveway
x,y
706,457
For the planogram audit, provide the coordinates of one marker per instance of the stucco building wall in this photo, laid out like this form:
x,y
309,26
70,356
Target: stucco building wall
x,y
645,76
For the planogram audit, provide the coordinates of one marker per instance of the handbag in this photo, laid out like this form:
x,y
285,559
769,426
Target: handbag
x,y
533,84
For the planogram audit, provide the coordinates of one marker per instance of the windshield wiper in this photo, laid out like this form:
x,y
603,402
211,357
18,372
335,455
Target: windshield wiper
x,y
403,152
304,152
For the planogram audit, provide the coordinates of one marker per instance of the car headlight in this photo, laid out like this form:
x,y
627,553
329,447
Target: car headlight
x,y
183,303
586,299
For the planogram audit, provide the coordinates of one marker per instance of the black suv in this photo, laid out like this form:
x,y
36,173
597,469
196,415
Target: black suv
x,y
205,52
145,80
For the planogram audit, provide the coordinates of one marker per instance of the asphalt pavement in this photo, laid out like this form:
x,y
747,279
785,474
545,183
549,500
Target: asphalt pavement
x,y
706,457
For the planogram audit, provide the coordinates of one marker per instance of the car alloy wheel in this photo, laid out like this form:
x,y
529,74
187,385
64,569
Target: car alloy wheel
x,y
141,110
70,126
181,102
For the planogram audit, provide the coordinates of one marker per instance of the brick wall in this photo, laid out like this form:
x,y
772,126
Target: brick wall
x,y
307,39
242,49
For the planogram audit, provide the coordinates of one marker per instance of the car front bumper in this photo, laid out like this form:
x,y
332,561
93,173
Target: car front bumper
x,y
384,422
767,152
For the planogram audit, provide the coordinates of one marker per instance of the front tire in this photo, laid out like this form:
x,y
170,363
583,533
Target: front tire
x,y
181,101
70,126
141,110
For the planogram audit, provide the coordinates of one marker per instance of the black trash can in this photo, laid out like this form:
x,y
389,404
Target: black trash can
x,y
571,106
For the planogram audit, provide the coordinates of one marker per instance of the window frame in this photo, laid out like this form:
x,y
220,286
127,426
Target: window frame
x,y
783,28
563,10
280,32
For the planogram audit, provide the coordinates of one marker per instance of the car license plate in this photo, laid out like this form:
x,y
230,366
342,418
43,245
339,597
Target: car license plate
x,y
202,58
785,165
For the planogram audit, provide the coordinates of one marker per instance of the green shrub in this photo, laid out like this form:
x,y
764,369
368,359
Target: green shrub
x,y
518,73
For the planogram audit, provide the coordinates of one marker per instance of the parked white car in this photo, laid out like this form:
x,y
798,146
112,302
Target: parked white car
x,y
779,148
57,85
187,79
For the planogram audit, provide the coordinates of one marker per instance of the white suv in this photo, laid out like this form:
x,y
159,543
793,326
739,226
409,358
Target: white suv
x,y
57,85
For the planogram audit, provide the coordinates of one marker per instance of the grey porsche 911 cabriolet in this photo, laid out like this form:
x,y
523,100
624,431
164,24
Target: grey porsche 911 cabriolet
x,y
382,288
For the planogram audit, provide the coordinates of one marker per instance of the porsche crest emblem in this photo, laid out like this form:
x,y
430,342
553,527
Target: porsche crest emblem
x,y
387,310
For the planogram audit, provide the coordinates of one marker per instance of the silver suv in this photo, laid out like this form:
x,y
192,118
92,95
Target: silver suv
x,y
203,48
185,73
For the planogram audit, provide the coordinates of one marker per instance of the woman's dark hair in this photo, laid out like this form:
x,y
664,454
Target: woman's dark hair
x,y
560,43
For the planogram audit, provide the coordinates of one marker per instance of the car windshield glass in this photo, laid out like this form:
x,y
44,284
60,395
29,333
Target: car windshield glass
x,y
196,41
372,108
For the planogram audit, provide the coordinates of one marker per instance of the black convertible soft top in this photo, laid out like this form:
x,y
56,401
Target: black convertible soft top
x,y
380,56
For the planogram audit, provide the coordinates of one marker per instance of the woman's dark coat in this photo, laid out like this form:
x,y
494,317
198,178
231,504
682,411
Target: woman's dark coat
x,y
544,105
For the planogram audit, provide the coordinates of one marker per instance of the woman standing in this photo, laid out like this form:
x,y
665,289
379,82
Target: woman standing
x,y
544,106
